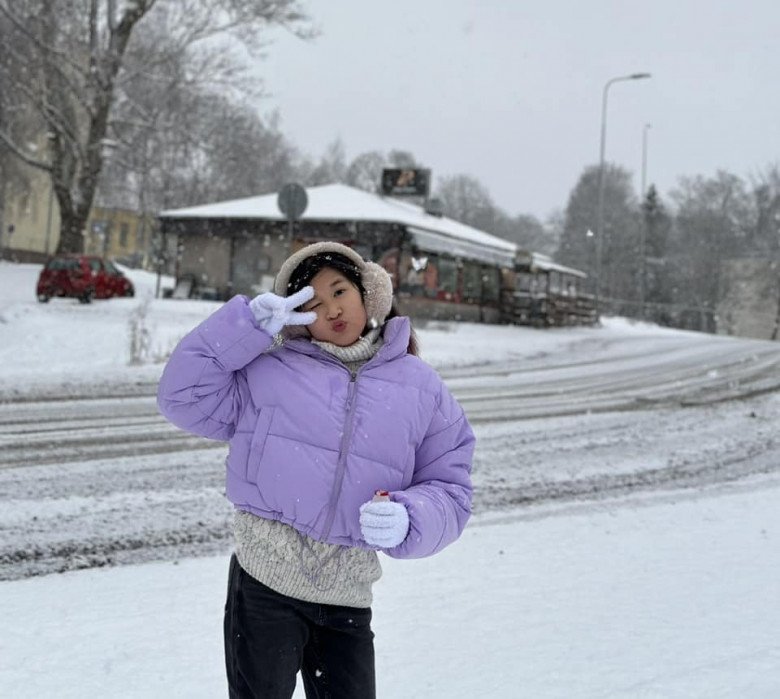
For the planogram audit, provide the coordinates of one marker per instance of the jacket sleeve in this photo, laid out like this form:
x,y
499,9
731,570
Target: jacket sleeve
x,y
439,499
203,388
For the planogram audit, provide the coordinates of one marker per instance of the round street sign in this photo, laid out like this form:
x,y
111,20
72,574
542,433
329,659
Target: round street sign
x,y
292,201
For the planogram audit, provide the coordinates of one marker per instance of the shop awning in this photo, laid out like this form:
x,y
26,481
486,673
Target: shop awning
x,y
430,241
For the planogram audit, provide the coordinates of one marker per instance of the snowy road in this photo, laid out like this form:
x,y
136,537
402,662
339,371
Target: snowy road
x,y
96,481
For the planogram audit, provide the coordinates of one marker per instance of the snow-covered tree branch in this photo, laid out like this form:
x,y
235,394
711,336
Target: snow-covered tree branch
x,y
73,68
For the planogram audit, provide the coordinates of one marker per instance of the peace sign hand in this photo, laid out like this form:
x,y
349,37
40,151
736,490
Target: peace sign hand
x,y
273,312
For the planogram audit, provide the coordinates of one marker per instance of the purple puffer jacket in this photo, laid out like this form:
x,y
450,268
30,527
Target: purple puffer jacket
x,y
310,442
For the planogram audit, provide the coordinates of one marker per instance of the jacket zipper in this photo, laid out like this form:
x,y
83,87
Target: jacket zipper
x,y
341,466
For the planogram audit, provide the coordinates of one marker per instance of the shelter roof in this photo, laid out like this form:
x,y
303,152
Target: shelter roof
x,y
339,202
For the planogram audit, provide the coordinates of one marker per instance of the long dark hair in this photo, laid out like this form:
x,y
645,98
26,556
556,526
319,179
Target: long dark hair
x,y
308,269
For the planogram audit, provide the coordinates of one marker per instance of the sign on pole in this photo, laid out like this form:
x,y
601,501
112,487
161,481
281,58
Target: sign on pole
x,y
292,201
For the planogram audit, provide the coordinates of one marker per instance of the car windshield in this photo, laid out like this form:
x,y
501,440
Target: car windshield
x,y
110,268
67,263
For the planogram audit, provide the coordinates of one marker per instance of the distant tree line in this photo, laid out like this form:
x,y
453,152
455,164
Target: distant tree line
x,y
463,197
667,262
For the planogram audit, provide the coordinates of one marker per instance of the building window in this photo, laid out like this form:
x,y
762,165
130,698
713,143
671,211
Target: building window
x,y
472,282
448,275
124,231
431,277
25,205
524,282
491,284
101,235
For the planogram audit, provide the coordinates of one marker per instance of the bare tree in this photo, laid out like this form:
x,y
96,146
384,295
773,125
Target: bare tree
x,y
712,224
331,168
467,200
402,158
15,175
530,234
199,146
365,171
71,64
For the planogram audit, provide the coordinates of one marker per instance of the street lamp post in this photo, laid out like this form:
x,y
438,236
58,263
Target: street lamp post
x,y
643,191
600,208
643,229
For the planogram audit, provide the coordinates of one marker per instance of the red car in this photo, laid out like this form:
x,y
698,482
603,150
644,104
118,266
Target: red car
x,y
84,277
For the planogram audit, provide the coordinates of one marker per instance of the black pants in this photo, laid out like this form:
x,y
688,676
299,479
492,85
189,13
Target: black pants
x,y
269,637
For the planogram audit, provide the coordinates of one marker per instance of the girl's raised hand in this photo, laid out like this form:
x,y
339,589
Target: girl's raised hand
x,y
273,312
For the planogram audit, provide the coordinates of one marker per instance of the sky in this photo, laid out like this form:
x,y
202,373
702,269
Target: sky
x,y
511,92
660,593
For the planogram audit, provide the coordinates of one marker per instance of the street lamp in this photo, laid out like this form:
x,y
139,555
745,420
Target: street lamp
x,y
600,209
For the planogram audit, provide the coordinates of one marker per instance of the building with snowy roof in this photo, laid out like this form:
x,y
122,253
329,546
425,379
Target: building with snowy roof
x,y
436,262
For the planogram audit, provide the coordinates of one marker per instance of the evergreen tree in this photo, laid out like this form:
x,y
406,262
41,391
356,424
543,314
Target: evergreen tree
x,y
654,273
620,245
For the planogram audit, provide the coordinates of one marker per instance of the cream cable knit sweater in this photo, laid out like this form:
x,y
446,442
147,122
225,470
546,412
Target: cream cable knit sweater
x,y
292,563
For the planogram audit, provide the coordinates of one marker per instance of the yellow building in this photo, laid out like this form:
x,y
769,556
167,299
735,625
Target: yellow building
x,y
121,234
30,218
31,226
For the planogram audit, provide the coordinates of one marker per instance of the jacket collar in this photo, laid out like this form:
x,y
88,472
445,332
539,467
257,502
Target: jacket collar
x,y
396,335
396,339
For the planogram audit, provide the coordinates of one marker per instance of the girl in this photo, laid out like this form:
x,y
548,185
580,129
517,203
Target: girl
x,y
317,425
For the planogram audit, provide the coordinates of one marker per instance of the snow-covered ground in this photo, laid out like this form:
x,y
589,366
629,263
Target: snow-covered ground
x,y
667,597
655,591
58,346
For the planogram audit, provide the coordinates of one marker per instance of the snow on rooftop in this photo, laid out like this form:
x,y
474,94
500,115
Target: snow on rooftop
x,y
545,262
338,202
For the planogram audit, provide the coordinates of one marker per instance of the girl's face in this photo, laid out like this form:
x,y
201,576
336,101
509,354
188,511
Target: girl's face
x,y
341,316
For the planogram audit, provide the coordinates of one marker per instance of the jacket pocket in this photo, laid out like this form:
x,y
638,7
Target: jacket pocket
x,y
257,443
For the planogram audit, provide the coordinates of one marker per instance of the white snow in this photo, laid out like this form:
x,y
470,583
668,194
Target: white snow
x,y
664,593
672,597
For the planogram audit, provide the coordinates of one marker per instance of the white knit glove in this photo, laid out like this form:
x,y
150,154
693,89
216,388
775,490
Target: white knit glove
x,y
273,312
384,523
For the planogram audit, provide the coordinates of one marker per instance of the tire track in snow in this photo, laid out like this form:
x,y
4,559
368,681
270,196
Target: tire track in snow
x,y
105,480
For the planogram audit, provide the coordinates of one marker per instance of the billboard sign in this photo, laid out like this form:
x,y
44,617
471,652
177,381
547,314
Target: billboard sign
x,y
399,182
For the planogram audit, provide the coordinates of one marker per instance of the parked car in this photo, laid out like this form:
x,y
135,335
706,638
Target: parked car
x,y
84,277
